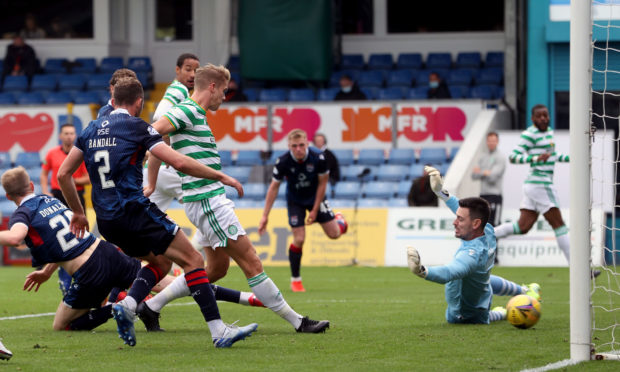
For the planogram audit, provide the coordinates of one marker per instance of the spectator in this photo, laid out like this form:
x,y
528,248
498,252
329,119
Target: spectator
x,y
490,171
320,142
59,29
421,194
437,88
349,91
20,59
31,30
234,94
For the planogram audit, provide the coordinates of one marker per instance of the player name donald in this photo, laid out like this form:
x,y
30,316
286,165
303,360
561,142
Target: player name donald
x,y
51,209
102,142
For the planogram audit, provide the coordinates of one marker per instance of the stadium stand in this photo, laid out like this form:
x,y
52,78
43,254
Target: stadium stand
x,y
372,78
225,157
371,157
327,94
398,202
409,61
249,157
347,190
372,203
5,162
87,97
394,93
59,98
254,191
392,173
400,78
242,174
459,91
403,189
484,91
71,82
15,84
401,156
420,92
31,98
28,159
439,61
55,66
380,189
7,98
301,95
111,64
272,95
84,65
380,62
494,59
352,61
345,157
433,156
44,83
468,59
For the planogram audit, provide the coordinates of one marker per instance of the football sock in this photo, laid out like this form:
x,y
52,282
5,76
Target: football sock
x,y
294,257
225,294
244,298
561,236
91,319
146,279
267,292
113,295
503,287
201,291
506,229
494,316
177,289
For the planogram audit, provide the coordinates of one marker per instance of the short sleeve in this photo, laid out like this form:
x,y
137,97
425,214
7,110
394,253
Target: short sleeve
x,y
79,142
177,118
21,215
148,136
278,170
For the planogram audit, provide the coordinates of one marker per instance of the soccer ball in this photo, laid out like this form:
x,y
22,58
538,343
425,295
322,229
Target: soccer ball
x,y
523,311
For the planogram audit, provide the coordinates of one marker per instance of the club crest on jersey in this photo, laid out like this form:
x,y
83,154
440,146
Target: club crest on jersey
x,y
152,131
294,220
472,252
292,170
310,167
232,230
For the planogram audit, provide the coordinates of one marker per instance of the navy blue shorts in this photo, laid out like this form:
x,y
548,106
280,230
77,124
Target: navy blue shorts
x,y
297,213
106,268
143,228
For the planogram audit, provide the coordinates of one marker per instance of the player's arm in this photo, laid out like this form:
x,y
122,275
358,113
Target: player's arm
x,y
152,171
163,126
79,223
320,194
462,265
36,278
272,193
83,179
521,153
561,157
163,107
14,236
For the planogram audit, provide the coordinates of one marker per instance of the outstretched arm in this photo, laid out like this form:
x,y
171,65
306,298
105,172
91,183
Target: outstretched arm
x,y
462,265
14,236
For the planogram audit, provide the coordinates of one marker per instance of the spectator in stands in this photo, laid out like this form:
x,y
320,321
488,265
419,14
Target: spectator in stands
x,y
349,91
59,29
421,194
490,171
437,88
20,59
234,93
31,30
320,142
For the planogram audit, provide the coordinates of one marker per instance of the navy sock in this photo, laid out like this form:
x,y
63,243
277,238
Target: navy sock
x,y
225,294
146,279
91,319
114,294
294,257
201,291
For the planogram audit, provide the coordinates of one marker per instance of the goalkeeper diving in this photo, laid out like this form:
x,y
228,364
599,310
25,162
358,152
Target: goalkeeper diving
x,y
469,283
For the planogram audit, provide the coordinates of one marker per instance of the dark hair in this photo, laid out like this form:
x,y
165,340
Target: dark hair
x,y
492,134
538,106
127,91
185,56
478,209
66,125
346,76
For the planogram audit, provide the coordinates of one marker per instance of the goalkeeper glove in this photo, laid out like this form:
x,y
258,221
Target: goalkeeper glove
x,y
437,183
413,260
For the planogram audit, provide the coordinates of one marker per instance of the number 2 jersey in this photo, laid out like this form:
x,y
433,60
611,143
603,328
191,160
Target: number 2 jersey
x,y
114,147
49,237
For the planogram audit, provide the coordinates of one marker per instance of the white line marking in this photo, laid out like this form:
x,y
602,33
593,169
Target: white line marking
x,y
552,366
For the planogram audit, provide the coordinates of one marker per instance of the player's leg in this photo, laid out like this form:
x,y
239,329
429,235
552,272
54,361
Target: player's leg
x,y
294,257
554,217
503,287
5,353
527,219
65,315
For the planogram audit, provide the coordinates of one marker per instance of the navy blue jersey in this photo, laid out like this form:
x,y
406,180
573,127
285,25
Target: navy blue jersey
x,y
105,110
114,148
49,237
302,176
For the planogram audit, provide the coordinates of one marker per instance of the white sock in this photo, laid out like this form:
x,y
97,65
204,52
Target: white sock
x,y
177,289
561,236
295,278
217,328
266,291
130,303
495,316
504,230
244,298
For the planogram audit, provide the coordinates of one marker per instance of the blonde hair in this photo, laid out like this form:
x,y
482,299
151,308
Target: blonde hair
x,y
210,73
16,182
296,134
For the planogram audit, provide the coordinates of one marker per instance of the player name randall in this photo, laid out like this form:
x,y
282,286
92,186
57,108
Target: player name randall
x,y
102,142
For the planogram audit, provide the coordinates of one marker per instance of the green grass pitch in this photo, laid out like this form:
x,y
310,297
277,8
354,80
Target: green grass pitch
x,y
382,319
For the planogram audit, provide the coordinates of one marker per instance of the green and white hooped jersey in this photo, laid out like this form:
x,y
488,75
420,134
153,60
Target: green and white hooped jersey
x,y
176,92
534,142
193,137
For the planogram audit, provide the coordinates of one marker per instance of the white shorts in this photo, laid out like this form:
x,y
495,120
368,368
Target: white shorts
x,y
539,198
215,218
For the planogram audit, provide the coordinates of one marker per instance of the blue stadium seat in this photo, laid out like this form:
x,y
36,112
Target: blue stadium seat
x,y
400,78
249,204
71,82
87,97
380,190
7,207
242,174
55,66
341,203
249,157
5,161
111,64
409,61
327,94
345,157
28,159
43,83
380,62
15,84
443,168
483,91
468,59
34,174
352,61
401,156
388,172
282,191
372,203
274,156
85,65
59,98
433,155
31,98
499,93
453,152
272,95
301,95
403,189
7,98
104,97
398,203
279,203
225,157
347,190
351,172
494,59
459,91
234,63
438,60
252,94
416,170
459,77
140,64
391,93
370,92
371,157
371,78
254,191
98,82
418,93
491,75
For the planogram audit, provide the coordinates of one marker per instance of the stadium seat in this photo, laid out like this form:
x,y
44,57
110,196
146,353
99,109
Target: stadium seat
x,y
142,64
327,94
391,93
459,77
401,156
341,203
438,60
59,98
371,78
278,203
334,80
252,94
31,98
34,174
468,59
55,66
111,64
234,63
242,174
5,161
380,190
422,76
143,77
7,207
370,92
389,172
453,152
459,91
403,189
433,155
490,76
225,157
352,61
301,95
249,157
372,203
494,59
98,82
28,159
7,98
352,172
43,83
400,78
274,156
345,157
254,191
282,191
71,82
443,168
418,93
483,91
87,97
104,97
248,203
85,66
371,157
398,203
409,61
15,84
380,62
272,95
499,93
416,170
347,190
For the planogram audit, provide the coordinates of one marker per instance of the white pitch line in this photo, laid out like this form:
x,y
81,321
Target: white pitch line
x,y
552,366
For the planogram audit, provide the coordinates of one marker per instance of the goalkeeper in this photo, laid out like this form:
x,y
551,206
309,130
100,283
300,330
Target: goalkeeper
x,y
469,284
